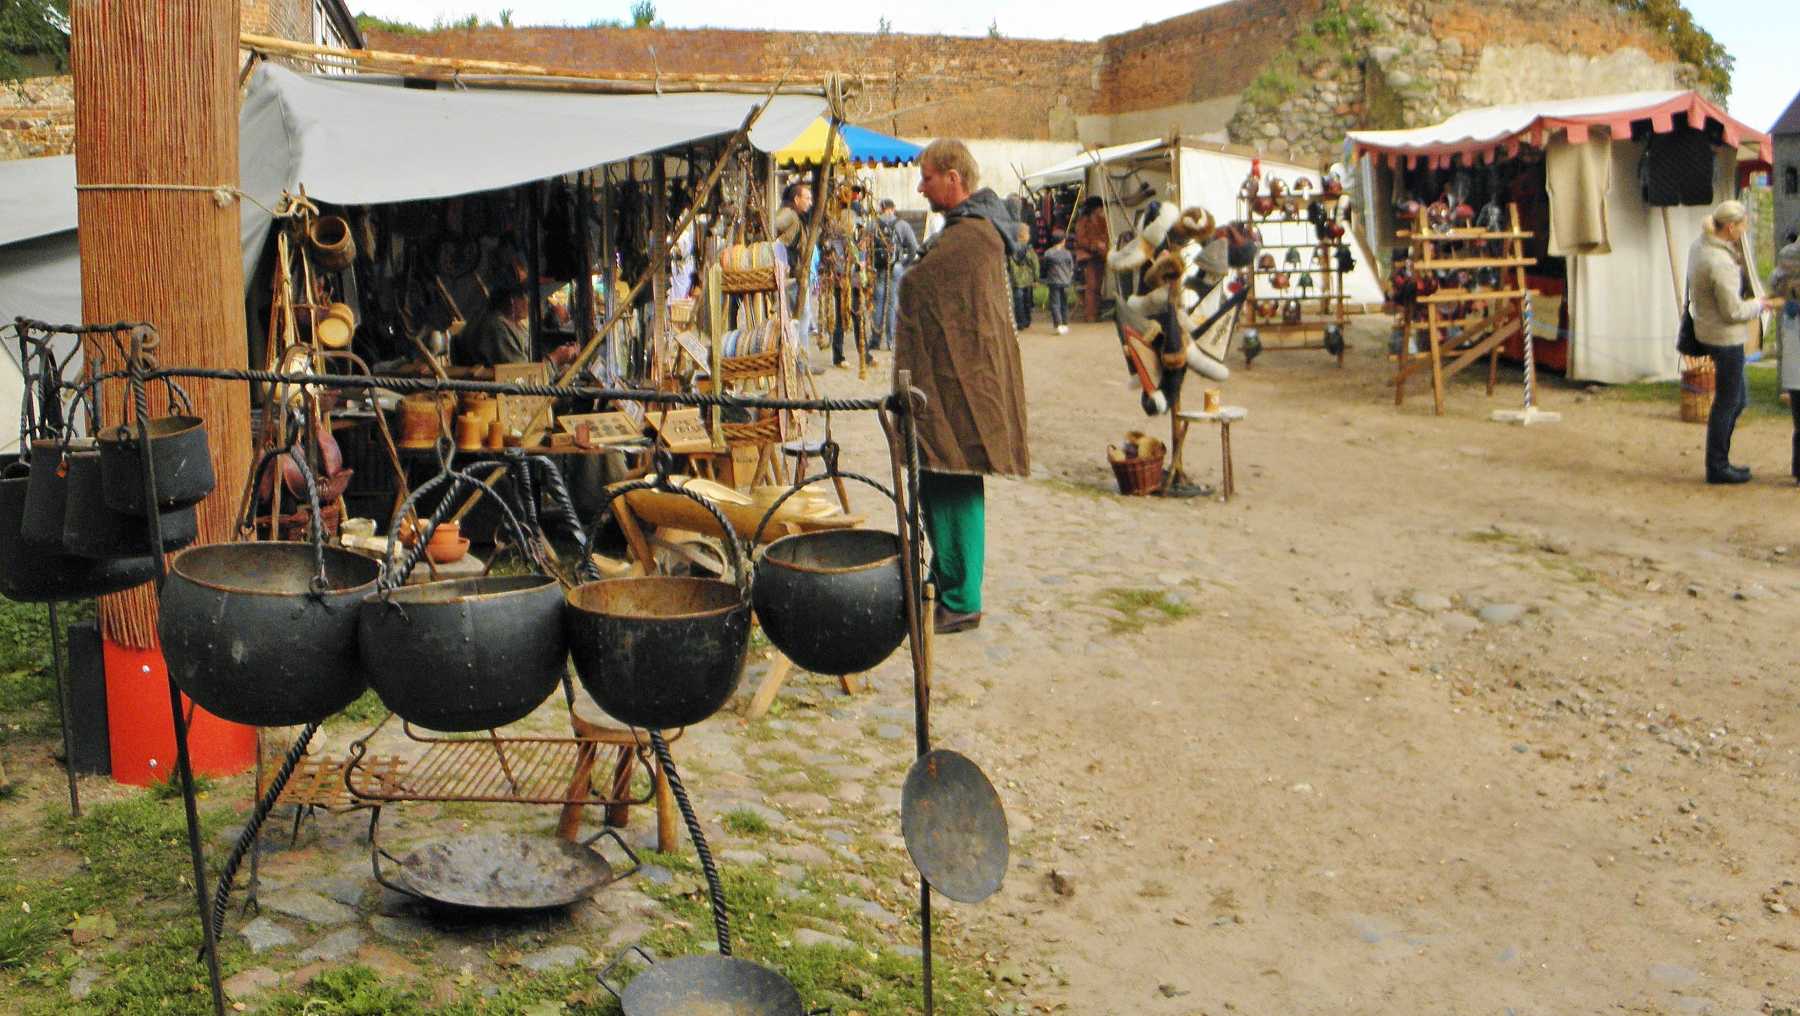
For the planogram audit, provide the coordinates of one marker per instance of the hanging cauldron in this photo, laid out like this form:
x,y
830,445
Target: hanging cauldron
x,y
47,495
248,638
178,452
832,601
92,529
466,654
658,652
36,574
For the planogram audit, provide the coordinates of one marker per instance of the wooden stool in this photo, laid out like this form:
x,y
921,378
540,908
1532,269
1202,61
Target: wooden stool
x,y
1224,417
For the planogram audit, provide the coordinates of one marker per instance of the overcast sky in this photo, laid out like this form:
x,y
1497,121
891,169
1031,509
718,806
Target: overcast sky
x,y
1761,34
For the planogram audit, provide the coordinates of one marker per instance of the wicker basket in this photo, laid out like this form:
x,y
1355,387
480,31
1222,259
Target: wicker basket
x,y
745,368
1697,384
1138,477
747,280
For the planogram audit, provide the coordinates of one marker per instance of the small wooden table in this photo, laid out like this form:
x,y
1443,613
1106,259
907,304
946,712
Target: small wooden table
x,y
1225,416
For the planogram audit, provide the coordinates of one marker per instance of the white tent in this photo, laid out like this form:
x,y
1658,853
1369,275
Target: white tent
x,y
360,142
1188,173
1622,307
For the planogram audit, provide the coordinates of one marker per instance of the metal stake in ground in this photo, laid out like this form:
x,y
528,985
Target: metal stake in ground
x,y
142,339
62,709
1531,413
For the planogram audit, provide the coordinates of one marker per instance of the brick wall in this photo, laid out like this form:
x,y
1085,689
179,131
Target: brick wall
x,y
284,19
1204,55
942,85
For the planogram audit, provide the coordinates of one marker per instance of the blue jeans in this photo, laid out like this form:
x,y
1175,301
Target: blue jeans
x,y
1730,396
1021,307
1059,304
887,307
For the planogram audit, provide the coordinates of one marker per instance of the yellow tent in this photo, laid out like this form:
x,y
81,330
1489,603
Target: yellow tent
x,y
854,144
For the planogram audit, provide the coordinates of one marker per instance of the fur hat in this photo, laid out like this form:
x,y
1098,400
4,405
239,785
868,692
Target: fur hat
x,y
1152,226
1195,225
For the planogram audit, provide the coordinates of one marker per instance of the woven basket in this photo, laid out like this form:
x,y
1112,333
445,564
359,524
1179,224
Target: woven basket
x,y
761,431
1138,477
741,368
1697,384
747,280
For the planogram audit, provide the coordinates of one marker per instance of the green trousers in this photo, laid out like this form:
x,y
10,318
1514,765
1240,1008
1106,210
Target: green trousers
x,y
955,512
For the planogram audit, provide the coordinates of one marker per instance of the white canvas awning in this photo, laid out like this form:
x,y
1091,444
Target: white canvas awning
x,y
1074,170
359,142
1477,133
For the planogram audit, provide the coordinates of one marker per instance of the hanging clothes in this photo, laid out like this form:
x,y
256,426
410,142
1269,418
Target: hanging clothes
x,y
1577,178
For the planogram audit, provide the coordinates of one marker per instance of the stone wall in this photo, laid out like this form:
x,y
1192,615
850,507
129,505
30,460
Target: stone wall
x,y
1407,63
284,19
940,85
37,118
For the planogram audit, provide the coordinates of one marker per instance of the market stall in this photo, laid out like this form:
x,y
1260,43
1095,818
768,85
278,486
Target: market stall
x,y
354,271
1611,190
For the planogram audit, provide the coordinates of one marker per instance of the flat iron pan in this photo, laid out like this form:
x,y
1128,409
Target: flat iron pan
x,y
954,825
710,986
505,871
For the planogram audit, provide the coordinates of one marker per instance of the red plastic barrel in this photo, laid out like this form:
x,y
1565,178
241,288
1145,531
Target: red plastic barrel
x,y
143,734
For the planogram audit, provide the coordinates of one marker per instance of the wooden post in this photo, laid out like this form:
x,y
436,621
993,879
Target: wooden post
x,y
156,105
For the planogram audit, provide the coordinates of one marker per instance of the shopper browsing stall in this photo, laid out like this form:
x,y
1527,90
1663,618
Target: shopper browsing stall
x,y
955,337
1718,298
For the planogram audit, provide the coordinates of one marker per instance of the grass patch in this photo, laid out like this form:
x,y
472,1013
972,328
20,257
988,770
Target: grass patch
x,y
746,823
1765,392
1142,608
366,711
170,789
868,979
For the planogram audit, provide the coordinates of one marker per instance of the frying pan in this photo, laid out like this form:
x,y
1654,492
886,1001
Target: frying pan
x,y
706,986
954,826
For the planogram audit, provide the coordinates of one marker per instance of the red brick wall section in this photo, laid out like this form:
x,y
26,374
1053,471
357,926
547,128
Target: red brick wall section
x,y
945,86
284,19
1208,54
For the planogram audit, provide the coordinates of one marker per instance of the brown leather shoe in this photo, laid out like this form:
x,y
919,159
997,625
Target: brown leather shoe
x,y
948,622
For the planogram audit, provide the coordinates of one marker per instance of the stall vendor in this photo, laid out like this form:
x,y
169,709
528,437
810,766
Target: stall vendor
x,y
502,334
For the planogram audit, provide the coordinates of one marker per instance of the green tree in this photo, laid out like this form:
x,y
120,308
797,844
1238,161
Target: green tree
x,y
506,14
32,28
1691,43
643,15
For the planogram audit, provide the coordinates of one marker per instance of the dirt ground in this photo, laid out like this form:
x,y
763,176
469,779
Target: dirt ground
x,y
1461,717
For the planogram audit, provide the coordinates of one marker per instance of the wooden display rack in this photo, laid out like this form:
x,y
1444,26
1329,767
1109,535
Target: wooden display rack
x,y
1279,233
1504,315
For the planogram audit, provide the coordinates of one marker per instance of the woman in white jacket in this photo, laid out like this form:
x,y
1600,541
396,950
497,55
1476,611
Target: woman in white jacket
x,y
1718,287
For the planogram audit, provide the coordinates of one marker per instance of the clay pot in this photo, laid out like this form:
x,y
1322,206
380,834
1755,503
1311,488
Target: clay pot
x,y
333,247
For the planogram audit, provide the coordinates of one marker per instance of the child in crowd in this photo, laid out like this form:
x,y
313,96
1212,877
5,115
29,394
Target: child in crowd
x,y
1059,274
1023,268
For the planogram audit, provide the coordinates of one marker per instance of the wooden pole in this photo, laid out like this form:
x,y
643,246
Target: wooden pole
x,y
156,104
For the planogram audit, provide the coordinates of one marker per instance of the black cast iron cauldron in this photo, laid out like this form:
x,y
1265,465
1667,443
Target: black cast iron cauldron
x,y
466,654
47,495
247,639
832,601
178,451
658,652
91,529
36,574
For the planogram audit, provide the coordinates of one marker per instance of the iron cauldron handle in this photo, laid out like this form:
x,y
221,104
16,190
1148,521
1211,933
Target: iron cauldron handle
x,y
740,561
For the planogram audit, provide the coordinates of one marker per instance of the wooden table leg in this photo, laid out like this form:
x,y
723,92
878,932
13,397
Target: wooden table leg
x,y
771,684
666,841
850,684
1227,484
634,535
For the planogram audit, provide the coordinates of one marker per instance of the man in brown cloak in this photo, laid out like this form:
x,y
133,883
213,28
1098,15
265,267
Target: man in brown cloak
x,y
955,335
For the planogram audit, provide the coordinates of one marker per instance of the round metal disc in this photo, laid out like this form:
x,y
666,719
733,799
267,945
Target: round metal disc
x,y
710,986
505,871
954,826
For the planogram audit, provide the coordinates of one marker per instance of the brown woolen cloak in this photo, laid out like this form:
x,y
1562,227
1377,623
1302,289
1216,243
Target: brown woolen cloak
x,y
955,334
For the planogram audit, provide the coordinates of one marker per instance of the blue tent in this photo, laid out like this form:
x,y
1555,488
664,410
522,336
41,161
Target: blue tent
x,y
855,144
